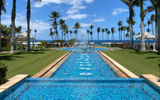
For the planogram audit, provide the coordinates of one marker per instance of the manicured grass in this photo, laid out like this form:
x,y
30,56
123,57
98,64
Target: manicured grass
x,y
29,62
139,62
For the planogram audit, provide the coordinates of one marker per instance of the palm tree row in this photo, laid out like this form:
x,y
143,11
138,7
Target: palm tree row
x,y
155,7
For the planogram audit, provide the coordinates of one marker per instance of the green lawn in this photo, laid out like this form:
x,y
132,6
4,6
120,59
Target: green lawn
x,y
139,62
29,62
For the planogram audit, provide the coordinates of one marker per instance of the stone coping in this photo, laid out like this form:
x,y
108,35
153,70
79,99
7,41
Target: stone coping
x,y
151,78
50,66
54,69
128,73
12,81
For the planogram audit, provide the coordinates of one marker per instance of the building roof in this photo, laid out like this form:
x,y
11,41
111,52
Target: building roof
x,y
24,35
147,36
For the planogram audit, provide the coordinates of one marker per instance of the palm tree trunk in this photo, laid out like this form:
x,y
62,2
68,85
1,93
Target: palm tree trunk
x,y
0,35
142,35
156,27
28,25
13,45
131,30
152,29
158,24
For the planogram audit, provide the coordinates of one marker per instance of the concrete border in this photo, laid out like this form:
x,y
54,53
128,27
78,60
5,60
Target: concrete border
x,y
122,69
53,65
12,81
151,78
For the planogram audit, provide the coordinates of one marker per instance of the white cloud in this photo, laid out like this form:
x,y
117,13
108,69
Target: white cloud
x,y
74,7
119,11
99,20
76,16
40,25
85,24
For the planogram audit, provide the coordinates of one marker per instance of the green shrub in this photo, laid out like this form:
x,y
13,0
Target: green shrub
x,y
72,41
3,72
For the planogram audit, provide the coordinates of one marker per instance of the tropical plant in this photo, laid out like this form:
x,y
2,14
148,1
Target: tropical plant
x,y
113,31
103,30
152,18
54,16
131,4
156,7
108,33
142,15
2,9
35,31
51,33
62,24
28,23
91,32
88,32
98,30
13,28
148,23
77,26
106,30
120,25
3,73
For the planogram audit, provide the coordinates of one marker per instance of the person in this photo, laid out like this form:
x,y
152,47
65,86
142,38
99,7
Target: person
x,y
151,47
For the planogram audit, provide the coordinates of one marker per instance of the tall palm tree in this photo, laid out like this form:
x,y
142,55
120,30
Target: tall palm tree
x,y
77,26
28,23
75,32
106,30
88,32
156,6
98,30
148,23
119,24
13,28
35,31
124,29
108,33
91,32
142,15
103,30
62,23
2,9
51,33
113,31
131,4
54,16
152,18
70,33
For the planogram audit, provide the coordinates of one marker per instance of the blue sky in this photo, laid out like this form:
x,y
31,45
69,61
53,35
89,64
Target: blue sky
x,y
100,13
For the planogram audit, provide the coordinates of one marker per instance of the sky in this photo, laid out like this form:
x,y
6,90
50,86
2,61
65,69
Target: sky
x,y
100,13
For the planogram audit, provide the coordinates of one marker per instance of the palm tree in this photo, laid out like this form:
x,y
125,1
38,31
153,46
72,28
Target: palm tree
x,y
113,31
108,33
124,29
148,23
62,23
119,24
142,15
77,26
75,32
156,6
51,33
98,30
103,30
2,9
91,32
131,4
106,30
152,18
35,31
88,32
13,30
70,33
54,16
28,23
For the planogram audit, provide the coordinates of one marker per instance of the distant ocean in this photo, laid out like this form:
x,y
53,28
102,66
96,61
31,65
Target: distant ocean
x,y
100,41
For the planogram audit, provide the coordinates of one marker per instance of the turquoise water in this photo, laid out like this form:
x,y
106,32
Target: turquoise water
x,y
83,76
84,65
109,89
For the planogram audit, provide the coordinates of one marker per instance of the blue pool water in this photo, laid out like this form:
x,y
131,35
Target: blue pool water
x,y
83,76
84,65
109,89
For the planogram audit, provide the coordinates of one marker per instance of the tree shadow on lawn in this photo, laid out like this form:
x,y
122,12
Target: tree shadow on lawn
x,y
18,55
